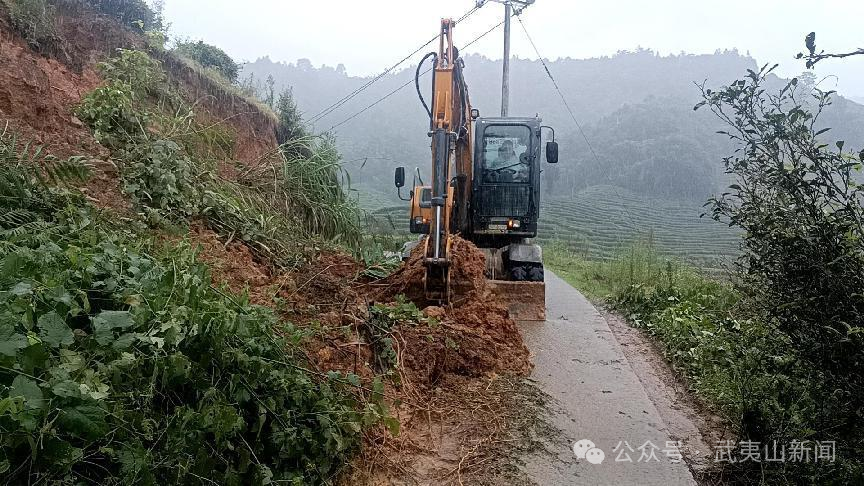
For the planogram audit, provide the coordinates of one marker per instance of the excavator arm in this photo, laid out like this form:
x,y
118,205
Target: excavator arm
x,y
450,130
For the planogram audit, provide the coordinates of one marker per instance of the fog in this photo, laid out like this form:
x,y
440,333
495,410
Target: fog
x,y
366,37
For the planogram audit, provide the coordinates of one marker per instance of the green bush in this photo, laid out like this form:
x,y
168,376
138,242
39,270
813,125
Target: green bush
x,y
121,364
209,56
797,199
33,20
158,175
116,111
129,12
290,122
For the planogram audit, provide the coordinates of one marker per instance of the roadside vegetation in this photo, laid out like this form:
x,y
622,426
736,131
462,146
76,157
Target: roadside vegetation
x,y
777,346
120,361
121,364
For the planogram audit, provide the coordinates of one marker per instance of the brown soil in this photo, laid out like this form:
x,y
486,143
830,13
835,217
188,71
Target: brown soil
x,y
450,414
444,362
468,431
476,336
40,90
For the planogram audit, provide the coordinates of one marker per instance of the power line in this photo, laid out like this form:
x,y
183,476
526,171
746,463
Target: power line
x,y
570,111
555,83
400,88
335,106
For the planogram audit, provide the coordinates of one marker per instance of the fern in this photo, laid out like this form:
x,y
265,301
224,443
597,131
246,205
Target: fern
x,y
28,180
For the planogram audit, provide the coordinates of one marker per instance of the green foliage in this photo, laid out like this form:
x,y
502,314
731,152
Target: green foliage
x,y
380,254
290,123
164,160
159,176
209,57
120,367
115,111
311,188
241,212
24,183
130,12
33,20
802,270
378,328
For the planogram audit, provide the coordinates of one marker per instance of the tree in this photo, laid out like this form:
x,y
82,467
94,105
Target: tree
x,y
269,94
801,272
209,56
290,126
812,57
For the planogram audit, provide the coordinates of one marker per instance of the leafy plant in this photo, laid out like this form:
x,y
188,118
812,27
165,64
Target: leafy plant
x,y
290,127
382,319
209,57
157,175
120,367
798,201
34,20
130,12
116,112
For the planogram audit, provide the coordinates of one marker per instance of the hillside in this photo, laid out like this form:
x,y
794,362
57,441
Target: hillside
x,y
184,300
635,108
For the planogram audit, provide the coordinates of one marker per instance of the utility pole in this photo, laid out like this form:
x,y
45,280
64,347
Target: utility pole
x,y
505,75
505,78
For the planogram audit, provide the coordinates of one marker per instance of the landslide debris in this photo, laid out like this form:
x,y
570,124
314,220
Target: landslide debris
x,y
476,335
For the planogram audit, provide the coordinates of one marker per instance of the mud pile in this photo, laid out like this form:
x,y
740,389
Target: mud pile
x,y
475,335
467,275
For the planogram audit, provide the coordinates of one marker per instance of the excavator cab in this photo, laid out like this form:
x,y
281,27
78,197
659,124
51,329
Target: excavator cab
x,y
505,198
505,208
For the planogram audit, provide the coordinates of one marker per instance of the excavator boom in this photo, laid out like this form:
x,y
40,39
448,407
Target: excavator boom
x,y
485,187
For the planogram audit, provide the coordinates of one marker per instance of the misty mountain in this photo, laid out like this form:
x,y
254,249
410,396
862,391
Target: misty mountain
x,y
635,109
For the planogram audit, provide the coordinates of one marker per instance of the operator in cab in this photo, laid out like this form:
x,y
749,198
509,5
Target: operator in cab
x,y
507,166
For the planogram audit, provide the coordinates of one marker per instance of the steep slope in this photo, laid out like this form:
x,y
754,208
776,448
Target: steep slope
x,y
211,258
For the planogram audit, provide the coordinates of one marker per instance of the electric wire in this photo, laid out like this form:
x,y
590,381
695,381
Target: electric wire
x,y
570,111
345,99
410,81
558,89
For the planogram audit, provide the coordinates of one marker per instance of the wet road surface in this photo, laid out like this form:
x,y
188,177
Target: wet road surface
x,y
597,397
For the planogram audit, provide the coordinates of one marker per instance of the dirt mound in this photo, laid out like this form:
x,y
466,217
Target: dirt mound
x,y
467,274
476,335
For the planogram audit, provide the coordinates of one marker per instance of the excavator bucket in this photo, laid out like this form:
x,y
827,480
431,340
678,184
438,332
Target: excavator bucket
x,y
526,301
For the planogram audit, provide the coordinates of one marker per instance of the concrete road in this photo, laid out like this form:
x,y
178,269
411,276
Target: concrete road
x,y
597,397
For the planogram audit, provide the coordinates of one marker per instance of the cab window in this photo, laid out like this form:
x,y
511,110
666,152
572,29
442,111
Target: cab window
x,y
506,153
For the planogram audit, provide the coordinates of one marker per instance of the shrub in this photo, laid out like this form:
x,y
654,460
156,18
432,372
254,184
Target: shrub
x,y
290,122
115,112
121,367
33,20
129,12
801,273
158,175
209,56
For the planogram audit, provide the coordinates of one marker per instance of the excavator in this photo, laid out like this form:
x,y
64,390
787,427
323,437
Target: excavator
x,y
485,187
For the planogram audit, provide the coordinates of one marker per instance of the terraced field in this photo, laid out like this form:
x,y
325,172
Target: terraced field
x,y
599,221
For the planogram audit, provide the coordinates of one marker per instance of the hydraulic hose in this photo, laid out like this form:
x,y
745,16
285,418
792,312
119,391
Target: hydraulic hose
x,y
417,80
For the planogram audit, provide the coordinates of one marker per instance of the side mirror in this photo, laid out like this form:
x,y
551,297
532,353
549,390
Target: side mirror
x,y
399,178
552,152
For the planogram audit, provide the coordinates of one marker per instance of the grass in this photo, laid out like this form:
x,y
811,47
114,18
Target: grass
x,y
598,222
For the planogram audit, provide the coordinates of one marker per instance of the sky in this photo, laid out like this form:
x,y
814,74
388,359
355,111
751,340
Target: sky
x,y
369,36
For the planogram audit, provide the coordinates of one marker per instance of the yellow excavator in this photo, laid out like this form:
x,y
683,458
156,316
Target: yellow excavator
x,y
485,187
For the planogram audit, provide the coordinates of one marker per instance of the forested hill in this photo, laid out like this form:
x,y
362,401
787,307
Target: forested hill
x,y
636,109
